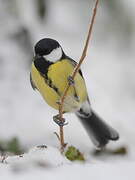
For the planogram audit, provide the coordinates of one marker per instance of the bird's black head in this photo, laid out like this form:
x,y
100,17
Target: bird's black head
x,y
50,49
47,52
45,46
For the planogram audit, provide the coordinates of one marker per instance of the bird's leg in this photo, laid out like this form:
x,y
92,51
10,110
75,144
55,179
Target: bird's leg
x,y
59,121
71,81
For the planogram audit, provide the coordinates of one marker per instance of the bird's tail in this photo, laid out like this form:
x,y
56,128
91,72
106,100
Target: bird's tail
x,y
99,132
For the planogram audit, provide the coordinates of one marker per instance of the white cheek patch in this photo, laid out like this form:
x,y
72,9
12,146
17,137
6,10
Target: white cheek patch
x,y
55,55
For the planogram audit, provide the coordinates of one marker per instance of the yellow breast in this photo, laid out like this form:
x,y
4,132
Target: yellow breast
x,y
59,73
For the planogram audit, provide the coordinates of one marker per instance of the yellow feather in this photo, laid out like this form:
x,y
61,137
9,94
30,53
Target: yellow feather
x,y
59,73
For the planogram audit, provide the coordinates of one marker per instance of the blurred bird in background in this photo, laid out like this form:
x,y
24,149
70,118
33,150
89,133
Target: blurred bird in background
x,y
50,73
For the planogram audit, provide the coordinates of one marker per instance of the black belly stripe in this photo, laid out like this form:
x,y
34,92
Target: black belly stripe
x,y
48,81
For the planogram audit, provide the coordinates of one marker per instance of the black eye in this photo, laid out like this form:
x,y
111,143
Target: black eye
x,y
46,51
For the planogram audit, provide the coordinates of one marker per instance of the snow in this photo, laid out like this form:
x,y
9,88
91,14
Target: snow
x,y
47,162
44,156
109,74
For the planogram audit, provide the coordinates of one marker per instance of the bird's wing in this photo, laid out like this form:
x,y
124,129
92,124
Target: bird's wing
x,y
32,83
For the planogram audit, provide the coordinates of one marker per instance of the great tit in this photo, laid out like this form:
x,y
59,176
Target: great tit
x,y
50,73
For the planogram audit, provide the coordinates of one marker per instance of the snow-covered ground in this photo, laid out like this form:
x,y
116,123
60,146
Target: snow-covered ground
x,y
48,163
109,74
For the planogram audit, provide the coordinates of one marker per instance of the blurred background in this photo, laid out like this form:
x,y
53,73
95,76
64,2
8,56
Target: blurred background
x,y
108,68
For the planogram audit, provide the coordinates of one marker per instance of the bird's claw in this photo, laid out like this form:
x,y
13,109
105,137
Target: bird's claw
x,y
59,121
71,81
58,102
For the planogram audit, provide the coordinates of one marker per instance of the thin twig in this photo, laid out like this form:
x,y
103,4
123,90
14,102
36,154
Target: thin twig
x,y
75,72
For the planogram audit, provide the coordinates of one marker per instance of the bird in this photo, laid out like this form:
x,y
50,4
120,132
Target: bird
x,y
50,74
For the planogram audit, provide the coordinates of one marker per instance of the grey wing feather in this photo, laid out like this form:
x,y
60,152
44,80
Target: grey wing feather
x,y
32,83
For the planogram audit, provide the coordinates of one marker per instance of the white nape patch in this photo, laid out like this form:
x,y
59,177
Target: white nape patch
x,y
55,55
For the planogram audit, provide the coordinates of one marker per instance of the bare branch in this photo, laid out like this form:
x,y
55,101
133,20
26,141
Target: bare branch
x,y
75,72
